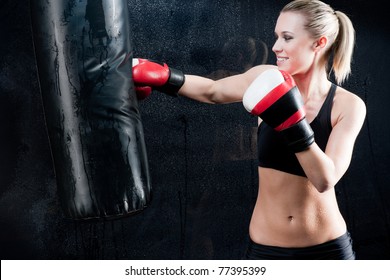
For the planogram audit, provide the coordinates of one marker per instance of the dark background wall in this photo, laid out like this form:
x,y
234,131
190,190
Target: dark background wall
x,y
202,157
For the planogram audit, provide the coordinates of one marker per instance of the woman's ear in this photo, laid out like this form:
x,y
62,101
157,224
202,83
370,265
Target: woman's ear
x,y
321,43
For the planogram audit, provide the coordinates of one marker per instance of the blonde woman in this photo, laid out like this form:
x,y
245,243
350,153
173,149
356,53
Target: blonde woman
x,y
307,129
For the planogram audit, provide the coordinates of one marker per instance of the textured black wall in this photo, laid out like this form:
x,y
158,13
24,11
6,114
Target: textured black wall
x,y
202,157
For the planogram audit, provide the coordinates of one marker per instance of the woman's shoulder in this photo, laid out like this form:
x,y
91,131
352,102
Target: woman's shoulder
x,y
255,71
348,104
345,97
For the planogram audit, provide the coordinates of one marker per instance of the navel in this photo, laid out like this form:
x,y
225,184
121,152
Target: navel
x,y
290,218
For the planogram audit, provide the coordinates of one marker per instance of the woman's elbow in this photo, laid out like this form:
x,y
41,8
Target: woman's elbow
x,y
325,184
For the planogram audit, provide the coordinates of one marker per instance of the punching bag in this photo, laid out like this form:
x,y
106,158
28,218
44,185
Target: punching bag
x,y
84,59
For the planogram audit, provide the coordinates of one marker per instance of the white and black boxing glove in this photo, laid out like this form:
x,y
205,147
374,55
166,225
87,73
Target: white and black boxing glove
x,y
274,97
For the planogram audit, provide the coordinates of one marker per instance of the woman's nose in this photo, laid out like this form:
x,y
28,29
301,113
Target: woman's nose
x,y
276,47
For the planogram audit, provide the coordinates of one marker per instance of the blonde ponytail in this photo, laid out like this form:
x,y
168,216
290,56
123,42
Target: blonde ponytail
x,y
343,48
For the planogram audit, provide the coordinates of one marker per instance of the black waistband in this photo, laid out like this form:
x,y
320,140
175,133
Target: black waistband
x,y
336,249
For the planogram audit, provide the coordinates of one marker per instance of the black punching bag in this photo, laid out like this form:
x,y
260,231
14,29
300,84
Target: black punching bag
x,y
84,58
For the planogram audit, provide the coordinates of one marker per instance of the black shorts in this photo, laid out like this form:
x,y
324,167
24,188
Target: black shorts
x,y
336,249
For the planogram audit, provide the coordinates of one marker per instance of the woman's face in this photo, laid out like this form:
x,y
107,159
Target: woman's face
x,y
294,48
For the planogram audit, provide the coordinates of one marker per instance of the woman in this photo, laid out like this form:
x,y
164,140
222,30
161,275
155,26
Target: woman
x,y
296,215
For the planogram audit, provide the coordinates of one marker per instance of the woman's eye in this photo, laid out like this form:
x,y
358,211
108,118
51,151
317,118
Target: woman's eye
x,y
285,38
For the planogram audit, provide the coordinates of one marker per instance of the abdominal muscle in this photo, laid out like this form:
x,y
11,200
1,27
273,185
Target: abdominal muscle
x,y
290,212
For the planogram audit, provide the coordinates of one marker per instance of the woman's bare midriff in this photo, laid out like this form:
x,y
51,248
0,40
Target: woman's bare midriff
x,y
290,212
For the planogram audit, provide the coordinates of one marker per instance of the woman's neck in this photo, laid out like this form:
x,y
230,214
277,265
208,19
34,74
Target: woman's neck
x,y
312,84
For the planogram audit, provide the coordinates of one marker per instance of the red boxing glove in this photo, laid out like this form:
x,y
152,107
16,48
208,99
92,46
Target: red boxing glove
x,y
149,75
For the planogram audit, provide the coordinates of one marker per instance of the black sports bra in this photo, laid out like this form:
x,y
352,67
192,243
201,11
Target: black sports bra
x,y
273,151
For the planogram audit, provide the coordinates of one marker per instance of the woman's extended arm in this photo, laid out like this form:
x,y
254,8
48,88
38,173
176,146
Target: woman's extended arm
x,y
226,90
149,75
